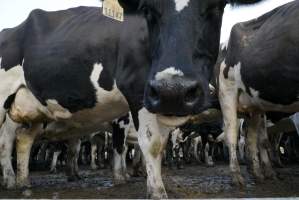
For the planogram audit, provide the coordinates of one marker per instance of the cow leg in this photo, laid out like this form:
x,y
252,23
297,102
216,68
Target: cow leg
x,y
228,102
93,156
275,151
117,168
209,161
197,147
252,145
152,138
120,167
24,140
138,161
241,148
53,168
264,148
42,152
73,151
101,156
7,137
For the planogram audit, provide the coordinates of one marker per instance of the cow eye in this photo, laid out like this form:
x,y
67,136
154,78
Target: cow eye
x,y
150,14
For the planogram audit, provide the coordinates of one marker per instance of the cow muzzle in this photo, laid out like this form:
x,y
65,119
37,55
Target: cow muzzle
x,y
178,96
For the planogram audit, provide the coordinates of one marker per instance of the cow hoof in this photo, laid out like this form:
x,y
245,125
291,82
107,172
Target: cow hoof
x,y
53,171
270,174
210,164
258,176
27,193
10,183
127,176
159,193
101,166
119,181
94,167
21,184
238,180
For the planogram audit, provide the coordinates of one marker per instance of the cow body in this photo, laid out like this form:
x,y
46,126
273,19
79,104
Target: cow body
x,y
258,75
83,69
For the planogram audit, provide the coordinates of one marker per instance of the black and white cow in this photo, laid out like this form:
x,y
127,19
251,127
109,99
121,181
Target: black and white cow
x,y
82,69
259,74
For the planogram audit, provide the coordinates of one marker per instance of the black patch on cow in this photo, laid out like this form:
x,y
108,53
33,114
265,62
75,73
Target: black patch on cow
x,y
106,81
269,59
225,72
125,119
4,119
118,137
9,101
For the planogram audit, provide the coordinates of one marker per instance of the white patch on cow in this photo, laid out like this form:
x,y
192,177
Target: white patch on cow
x,y
1,63
181,4
224,45
152,138
168,74
11,81
94,77
172,121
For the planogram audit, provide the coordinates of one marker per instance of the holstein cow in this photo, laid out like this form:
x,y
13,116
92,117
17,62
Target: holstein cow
x,y
81,69
259,74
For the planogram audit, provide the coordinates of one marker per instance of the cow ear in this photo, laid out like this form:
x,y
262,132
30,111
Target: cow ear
x,y
129,5
11,47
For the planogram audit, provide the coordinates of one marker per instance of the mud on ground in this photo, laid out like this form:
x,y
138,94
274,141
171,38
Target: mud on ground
x,y
190,182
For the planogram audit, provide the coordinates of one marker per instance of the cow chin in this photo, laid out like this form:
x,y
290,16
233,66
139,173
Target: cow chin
x,y
172,121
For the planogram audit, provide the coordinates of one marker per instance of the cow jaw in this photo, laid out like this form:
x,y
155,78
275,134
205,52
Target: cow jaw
x,y
172,120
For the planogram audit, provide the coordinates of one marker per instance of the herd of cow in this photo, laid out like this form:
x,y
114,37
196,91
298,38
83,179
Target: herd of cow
x,y
73,73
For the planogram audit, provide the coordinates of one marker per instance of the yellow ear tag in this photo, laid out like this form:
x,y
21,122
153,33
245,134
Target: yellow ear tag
x,y
112,9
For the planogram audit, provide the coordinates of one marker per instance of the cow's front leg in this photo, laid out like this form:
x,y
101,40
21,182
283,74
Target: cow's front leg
x,y
24,140
252,145
152,138
93,153
7,137
265,148
73,151
119,166
228,102
53,168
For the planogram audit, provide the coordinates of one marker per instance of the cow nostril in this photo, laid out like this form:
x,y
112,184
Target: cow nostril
x,y
192,94
153,93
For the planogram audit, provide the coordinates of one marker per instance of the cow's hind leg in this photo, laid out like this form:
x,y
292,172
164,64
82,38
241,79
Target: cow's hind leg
x,y
252,144
73,151
7,137
228,102
53,168
265,148
24,140
152,138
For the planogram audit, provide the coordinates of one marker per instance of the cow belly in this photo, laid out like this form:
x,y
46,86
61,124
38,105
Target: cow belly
x,y
11,80
254,103
26,108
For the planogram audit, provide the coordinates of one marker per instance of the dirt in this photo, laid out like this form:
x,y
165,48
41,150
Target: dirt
x,y
191,182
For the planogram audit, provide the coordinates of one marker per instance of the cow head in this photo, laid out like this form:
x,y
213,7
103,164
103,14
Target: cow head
x,y
184,43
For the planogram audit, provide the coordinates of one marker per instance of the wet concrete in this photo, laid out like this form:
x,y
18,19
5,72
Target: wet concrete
x,y
190,182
